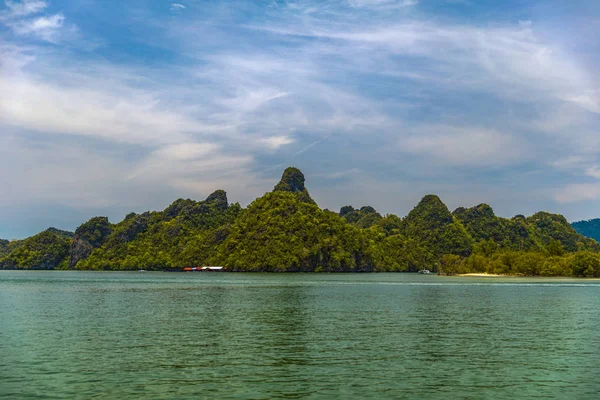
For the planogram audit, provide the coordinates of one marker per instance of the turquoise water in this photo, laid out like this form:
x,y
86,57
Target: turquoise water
x,y
262,336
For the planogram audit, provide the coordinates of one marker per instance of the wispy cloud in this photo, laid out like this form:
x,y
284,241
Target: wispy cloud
x,y
593,171
578,192
177,7
44,27
465,146
94,107
383,3
20,18
275,142
24,8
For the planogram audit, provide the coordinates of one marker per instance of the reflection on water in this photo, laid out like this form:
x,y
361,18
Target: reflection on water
x,y
160,335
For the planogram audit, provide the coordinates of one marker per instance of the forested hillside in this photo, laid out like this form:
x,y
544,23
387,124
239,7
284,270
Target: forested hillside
x,y
285,230
589,228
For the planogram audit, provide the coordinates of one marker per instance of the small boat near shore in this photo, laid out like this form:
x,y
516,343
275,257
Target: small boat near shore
x,y
425,271
205,269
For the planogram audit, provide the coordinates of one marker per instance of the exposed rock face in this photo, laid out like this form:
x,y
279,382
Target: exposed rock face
x,y
88,236
218,199
128,229
189,208
292,181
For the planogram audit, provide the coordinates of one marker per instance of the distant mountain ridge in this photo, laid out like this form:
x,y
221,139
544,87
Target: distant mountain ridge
x,y
589,228
285,230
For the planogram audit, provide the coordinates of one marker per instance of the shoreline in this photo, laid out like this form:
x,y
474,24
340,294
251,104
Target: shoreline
x,y
467,275
486,275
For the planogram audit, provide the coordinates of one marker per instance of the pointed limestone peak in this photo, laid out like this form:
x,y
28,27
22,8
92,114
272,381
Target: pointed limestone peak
x,y
292,181
431,208
218,198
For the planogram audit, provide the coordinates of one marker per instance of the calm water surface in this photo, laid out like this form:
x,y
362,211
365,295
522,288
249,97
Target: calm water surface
x,y
263,336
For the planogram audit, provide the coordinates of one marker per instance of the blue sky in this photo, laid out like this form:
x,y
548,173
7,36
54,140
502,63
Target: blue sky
x,y
110,106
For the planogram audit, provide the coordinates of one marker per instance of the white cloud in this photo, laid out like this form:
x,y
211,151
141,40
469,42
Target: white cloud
x,y
24,8
503,60
275,142
464,146
383,3
43,27
250,100
594,172
570,162
19,18
364,79
197,170
177,7
70,174
578,192
589,100
87,106
187,151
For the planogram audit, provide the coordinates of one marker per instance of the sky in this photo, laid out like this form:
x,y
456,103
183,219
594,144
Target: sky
x,y
108,106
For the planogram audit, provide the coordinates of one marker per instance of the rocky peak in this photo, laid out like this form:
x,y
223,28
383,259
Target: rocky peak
x,y
218,198
431,208
292,181
88,236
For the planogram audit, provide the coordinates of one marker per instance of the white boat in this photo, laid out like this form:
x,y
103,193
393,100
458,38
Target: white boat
x,y
209,268
425,271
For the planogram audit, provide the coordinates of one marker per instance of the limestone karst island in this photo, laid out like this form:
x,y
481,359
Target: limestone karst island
x,y
286,231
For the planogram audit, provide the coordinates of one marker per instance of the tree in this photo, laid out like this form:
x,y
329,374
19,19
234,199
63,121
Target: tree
x,y
451,264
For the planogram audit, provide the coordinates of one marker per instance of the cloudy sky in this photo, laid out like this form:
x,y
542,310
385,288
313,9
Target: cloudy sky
x,y
113,106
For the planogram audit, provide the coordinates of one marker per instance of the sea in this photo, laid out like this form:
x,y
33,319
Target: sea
x,y
160,335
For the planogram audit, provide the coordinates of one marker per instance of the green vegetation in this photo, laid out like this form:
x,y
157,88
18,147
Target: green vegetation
x,y
589,228
46,250
280,232
525,263
4,247
366,217
285,230
185,233
293,181
432,225
61,233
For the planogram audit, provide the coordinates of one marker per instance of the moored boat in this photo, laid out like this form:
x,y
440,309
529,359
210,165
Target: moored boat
x,y
205,269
